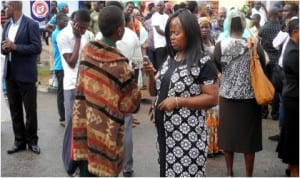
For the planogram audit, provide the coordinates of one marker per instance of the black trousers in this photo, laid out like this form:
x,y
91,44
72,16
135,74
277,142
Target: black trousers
x,y
19,94
160,57
60,93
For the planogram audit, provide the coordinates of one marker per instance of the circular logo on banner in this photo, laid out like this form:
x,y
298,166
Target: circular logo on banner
x,y
40,9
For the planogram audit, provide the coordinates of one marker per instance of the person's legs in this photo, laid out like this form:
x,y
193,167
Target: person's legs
x,y
128,146
4,87
229,162
69,97
249,162
275,107
264,112
60,94
294,170
16,112
29,98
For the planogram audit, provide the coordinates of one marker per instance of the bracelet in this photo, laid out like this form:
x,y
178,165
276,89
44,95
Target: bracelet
x,y
176,99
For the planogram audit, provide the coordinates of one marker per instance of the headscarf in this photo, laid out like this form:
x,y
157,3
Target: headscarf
x,y
231,13
204,19
61,5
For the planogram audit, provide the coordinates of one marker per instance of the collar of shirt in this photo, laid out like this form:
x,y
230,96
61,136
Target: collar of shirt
x,y
17,22
108,42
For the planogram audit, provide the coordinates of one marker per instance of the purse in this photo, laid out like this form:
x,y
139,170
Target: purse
x,y
262,87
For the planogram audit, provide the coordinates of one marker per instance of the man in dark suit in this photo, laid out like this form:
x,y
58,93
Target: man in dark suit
x,y
21,45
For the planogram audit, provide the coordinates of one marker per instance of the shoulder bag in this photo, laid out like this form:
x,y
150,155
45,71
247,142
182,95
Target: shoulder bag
x,y
262,87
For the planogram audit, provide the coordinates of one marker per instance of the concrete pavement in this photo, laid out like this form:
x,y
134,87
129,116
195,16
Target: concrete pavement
x,y
49,162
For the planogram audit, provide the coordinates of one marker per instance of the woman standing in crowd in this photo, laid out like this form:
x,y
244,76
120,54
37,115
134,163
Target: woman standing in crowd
x,y
185,86
212,120
288,146
240,130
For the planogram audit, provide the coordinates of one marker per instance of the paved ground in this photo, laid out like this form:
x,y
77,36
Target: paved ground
x,y
49,163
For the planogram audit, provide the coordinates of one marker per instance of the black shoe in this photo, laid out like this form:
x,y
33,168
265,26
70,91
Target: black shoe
x,y
210,155
62,124
61,119
274,138
128,174
218,153
288,172
16,149
35,149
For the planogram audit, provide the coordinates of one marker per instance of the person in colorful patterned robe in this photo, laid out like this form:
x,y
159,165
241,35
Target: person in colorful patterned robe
x,y
105,91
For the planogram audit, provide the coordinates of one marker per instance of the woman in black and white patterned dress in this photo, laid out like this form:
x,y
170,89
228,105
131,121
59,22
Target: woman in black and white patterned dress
x,y
240,127
185,86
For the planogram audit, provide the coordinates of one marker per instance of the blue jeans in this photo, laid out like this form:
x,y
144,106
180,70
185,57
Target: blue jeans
x,y
4,87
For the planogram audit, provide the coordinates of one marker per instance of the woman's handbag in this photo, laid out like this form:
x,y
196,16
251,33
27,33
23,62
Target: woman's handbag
x,y
262,87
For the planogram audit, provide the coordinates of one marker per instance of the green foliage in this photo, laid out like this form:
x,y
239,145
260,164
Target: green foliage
x,y
43,71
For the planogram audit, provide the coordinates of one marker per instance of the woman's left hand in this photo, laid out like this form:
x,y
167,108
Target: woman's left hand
x,y
167,104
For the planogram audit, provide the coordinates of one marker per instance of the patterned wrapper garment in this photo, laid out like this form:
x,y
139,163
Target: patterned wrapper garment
x,y
105,91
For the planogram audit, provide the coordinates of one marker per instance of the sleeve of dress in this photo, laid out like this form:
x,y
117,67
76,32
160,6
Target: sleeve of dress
x,y
208,72
217,56
261,55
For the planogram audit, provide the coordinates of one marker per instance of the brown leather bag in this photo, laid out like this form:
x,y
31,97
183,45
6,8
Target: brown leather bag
x,y
262,87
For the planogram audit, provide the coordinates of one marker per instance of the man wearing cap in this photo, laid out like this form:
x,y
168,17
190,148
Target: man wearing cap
x,y
62,7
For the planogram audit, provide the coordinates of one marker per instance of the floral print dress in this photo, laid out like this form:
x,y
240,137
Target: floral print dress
x,y
182,133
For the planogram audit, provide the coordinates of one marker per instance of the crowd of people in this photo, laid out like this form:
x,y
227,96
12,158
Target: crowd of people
x,y
198,67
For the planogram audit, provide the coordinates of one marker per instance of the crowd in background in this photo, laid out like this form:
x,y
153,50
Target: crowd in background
x,y
197,63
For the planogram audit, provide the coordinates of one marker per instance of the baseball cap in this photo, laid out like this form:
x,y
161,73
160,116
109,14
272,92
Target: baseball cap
x,y
61,5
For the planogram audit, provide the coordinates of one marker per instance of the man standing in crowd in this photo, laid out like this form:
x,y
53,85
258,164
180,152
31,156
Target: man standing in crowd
x,y
159,21
290,11
49,15
105,91
267,33
97,6
70,42
62,21
21,44
217,26
260,9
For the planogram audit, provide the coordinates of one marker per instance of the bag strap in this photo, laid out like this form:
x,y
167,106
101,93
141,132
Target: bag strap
x,y
252,47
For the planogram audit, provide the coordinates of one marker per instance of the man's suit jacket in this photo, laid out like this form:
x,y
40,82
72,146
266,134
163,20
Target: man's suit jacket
x,y
23,64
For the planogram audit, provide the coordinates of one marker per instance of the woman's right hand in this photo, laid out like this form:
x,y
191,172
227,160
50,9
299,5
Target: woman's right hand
x,y
148,68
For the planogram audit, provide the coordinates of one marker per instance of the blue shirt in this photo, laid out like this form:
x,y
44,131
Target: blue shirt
x,y
56,54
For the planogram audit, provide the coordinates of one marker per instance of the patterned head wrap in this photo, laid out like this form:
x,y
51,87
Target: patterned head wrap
x,y
204,19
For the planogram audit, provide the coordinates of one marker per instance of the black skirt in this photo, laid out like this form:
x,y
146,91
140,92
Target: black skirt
x,y
288,145
240,128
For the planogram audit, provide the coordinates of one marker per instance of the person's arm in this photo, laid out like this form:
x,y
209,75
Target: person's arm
x,y
207,99
160,31
279,40
209,92
150,70
51,24
155,23
72,57
262,57
34,46
217,56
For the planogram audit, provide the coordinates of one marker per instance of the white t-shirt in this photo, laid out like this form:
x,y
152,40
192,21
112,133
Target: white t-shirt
x,y
130,47
161,21
262,13
66,42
